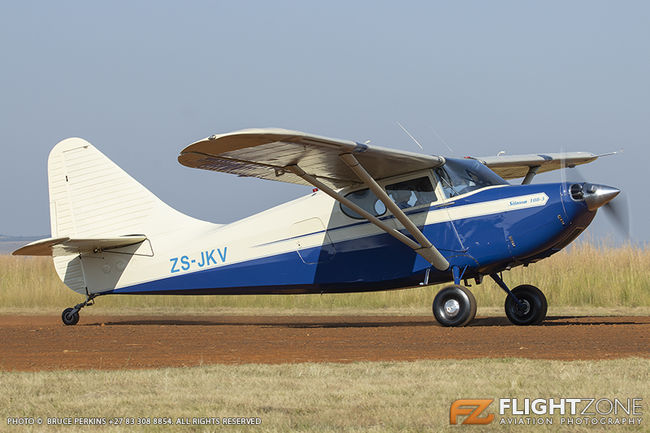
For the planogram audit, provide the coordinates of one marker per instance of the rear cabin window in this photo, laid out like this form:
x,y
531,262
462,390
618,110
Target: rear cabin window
x,y
406,194
366,200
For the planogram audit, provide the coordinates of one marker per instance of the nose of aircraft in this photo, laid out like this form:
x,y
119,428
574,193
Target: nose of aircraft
x,y
597,195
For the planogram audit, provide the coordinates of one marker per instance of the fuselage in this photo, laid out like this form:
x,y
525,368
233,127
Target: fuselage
x,y
311,245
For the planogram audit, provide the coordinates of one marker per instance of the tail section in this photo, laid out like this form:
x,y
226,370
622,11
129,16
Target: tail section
x,y
93,201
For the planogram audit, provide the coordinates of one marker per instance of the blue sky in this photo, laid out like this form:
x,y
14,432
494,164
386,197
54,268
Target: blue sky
x,y
140,80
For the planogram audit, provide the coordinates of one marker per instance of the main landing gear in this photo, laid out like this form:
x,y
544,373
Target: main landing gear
x,y
70,316
456,306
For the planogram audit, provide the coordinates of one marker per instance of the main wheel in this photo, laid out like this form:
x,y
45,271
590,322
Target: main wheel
x,y
454,306
70,316
534,306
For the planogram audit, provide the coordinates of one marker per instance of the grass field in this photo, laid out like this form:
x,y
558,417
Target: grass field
x,y
369,397
584,275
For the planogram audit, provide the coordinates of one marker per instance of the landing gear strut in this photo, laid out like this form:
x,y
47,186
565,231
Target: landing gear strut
x,y
525,304
70,316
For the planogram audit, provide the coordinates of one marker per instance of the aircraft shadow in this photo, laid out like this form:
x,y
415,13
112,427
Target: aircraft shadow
x,y
180,322
552,321
306,324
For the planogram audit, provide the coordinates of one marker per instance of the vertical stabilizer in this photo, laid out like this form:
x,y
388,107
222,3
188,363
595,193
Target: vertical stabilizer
x,y
91,196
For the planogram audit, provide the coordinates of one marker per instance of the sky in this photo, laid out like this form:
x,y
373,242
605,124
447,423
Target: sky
x,y
141,80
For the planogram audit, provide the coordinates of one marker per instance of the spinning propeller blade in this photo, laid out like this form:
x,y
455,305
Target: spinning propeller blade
x,y
618,213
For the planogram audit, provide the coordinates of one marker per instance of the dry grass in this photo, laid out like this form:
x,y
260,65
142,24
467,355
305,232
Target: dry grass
x,y
584,275
373,397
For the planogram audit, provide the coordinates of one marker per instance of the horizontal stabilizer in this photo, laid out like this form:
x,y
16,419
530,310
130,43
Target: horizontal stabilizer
x,y
45,247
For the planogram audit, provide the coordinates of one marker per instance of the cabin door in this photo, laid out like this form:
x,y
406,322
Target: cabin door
x,y
312,242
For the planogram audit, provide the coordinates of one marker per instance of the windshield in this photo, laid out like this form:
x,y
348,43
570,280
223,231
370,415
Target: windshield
x,y
460,176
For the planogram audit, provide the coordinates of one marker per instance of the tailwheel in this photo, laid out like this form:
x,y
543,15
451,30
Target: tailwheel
x,y
454,306
70,316
531,308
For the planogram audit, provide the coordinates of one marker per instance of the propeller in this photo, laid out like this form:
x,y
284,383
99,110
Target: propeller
x,y
618,212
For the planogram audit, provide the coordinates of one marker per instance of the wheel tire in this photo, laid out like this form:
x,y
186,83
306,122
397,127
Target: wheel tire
x,y
454,306
471,318
70,317
535,302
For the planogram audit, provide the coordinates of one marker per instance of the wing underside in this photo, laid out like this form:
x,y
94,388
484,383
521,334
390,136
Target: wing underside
x,y
266,154
516,166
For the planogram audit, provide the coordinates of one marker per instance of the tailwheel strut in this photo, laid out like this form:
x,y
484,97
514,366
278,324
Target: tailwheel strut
x,y
70,316
525,304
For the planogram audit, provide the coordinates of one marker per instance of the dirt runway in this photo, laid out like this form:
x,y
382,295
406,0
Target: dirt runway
x,y
32,343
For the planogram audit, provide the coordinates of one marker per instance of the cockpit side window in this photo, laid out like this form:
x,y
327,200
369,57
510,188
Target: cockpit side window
x,y
366,200
412,192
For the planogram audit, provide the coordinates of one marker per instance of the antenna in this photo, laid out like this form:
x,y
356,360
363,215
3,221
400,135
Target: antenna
x,y
441,139
409,134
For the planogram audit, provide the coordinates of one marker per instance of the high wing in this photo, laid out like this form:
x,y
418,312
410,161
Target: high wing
x,y
326,163
266,154
515,166
45,247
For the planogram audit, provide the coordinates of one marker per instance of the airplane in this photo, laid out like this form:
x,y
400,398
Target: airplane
x,y
376,219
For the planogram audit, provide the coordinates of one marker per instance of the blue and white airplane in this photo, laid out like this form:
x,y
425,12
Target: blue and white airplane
x,y
378,219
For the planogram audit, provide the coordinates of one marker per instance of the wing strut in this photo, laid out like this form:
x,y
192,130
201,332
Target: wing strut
x,y
423,248
532,171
